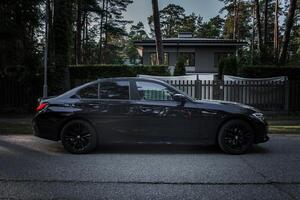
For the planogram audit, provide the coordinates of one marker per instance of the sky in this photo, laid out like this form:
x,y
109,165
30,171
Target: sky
x,y
140,10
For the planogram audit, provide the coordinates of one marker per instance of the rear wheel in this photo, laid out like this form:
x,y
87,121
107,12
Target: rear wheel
x,y
78,137
236,137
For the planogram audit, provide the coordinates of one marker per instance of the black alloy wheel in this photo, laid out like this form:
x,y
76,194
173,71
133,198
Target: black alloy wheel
x,y
236,137
78,137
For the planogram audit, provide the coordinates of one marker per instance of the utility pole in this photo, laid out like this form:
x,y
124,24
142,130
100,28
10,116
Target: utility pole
x,y
45,87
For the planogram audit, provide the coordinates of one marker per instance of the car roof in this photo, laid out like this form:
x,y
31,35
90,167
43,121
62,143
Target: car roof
x,y
70,92
130,78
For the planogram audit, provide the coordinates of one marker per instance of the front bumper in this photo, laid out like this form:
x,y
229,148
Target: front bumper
x,y
262,139
261,131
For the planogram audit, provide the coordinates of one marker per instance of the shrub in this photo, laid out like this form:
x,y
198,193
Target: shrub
x,y
228,66
179,68
265,71
93,72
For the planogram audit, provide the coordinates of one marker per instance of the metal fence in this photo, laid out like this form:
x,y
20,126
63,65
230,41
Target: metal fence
x,y
265,95
17,96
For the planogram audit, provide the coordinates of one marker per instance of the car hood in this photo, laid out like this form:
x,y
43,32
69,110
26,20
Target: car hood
x,y
227,106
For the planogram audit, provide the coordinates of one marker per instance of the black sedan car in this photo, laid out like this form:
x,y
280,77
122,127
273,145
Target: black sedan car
x,y
137,110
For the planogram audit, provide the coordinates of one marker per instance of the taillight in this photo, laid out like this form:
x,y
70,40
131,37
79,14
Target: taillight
x,y
41,106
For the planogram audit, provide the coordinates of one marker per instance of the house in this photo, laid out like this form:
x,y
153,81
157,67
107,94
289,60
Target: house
x,y
202,55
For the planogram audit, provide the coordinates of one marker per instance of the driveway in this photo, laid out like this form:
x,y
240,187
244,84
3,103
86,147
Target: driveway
x,y
33,168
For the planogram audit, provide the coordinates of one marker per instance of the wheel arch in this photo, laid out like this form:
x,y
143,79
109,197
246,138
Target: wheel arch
x,y
61,126
233,117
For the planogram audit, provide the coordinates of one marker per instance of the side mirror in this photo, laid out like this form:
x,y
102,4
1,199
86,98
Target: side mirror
x,y
179,98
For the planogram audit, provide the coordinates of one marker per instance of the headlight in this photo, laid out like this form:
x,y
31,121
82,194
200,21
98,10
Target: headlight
x,y
259,116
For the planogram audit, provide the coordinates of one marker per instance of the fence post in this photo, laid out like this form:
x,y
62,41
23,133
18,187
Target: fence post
x,y
197,96
221,89
287,95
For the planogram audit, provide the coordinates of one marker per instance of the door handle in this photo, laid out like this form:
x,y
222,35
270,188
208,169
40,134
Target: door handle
x,y
94,105
145,109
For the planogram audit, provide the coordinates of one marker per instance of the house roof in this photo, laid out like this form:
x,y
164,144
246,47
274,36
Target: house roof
x,y
193,42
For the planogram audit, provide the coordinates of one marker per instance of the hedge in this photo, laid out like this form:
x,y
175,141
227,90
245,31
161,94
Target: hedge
x,y
293,73
228,66
105,71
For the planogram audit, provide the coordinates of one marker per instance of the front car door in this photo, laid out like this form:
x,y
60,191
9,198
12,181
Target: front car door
x,y
163,119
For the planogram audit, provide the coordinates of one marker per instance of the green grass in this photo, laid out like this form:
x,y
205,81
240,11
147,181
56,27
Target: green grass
x,y
284,129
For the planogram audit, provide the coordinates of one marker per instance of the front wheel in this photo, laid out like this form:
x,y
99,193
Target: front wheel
x,y
78,137
236,137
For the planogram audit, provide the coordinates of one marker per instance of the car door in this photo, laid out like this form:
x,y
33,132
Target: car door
x,y
88,102
162,118
117,119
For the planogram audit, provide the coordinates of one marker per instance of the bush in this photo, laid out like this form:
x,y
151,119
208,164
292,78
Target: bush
x,y
93,72
228,66
179,68
265,71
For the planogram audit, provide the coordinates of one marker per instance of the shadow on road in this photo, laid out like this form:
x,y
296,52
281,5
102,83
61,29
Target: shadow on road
x,y
48,148
168,149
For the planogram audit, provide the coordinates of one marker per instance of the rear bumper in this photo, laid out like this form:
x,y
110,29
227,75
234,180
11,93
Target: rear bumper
x,y
45,128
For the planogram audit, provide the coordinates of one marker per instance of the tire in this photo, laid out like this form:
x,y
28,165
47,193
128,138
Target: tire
x,y
236,137
79,137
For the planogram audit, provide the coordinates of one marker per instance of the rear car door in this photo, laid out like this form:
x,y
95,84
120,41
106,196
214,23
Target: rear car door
x,y
117,119
88,102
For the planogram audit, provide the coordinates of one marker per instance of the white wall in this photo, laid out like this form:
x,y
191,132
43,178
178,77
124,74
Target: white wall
x,y
204,56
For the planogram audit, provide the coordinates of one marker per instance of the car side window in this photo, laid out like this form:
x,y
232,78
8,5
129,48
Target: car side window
x,y
114,90
153,91
89,92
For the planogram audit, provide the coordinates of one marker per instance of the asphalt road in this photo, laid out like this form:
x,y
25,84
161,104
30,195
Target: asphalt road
x,y
32,168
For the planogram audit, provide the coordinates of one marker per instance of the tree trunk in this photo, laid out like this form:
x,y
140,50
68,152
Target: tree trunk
x,y
106,32
287,33
62,28
84,14
266,22
237,31
101,32
50,7
78,57
253,36
158,37
234,19
258,27
276,33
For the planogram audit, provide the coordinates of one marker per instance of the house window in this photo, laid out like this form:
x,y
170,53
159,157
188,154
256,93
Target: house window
x,y
153,58
189,58
219,56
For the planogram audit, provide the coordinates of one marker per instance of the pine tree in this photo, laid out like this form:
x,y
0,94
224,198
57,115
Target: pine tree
x,y
137,32
287,33
62,28
158,35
